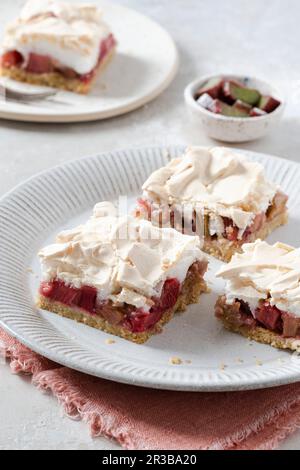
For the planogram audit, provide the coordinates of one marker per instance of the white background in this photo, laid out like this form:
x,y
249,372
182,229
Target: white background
x,y
213,36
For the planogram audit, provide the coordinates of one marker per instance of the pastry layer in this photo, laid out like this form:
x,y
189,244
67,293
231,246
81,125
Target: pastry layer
x,y
228,314
191,289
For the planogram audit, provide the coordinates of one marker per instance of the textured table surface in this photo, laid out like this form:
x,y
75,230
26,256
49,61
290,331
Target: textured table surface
x,y
213,36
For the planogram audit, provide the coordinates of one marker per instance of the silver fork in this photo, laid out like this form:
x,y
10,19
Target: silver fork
x,y
15,95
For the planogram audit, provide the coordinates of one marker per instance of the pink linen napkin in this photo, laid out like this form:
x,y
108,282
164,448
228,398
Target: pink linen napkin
x,y
140,418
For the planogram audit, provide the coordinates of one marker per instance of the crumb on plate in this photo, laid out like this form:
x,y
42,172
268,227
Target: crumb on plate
x,y
175,360
109,341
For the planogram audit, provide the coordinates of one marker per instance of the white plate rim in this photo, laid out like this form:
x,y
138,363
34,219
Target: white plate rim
x,y
90,116
174,381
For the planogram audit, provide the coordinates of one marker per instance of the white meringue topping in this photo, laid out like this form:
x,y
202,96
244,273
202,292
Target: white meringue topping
x,y
218,179
70,34
264,271
126,259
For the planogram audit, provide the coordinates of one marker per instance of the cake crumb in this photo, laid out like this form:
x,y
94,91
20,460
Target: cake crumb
x,y
29,270
188,361
175,360
239,360
223,366
258,362
109,341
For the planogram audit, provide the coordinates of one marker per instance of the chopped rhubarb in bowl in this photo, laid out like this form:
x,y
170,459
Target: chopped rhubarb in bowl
x,y
233,125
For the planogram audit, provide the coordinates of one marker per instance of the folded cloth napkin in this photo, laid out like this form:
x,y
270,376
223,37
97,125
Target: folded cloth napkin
x,y
140,418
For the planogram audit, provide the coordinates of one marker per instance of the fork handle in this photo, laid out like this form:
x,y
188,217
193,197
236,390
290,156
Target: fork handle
x,y
18,95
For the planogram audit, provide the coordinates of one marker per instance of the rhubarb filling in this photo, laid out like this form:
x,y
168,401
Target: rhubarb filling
x,y
264,315
41,64
231,232
135,320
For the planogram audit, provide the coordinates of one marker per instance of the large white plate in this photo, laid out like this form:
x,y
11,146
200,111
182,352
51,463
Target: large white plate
x,y
31,215
145,64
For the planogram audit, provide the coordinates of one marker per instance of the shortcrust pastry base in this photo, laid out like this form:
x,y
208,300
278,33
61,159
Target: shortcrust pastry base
x,y
192,287
224,249
56,79
227,314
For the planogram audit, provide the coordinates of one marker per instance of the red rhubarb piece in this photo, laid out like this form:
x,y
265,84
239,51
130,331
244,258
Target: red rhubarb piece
x,y
231,231
39,64
11,59
170,294
66,72
211,87
65,294
110,313
257,223
140,321
59,291
291,325
47,289
106,46
88,298
268,104
87,78
269,316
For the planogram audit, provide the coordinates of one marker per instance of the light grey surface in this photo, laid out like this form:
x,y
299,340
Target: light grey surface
x,y
236,36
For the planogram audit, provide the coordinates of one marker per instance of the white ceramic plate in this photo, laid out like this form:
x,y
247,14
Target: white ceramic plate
x,y
144,65
59,198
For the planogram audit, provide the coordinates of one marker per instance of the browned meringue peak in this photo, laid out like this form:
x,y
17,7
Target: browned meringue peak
x,y
220,179
264,271
126,259
66,11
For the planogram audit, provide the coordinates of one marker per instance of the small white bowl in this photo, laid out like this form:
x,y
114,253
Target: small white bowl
x,y
234,129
